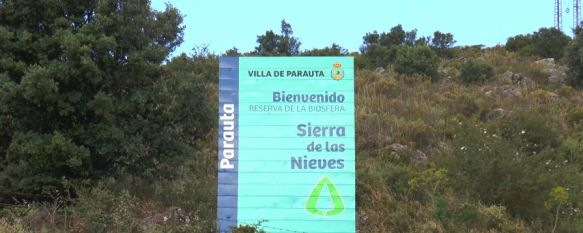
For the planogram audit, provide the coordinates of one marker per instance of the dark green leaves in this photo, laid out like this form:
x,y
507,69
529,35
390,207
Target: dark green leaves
x,y
84,93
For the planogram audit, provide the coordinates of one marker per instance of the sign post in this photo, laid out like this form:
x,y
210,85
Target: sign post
x,y
286,144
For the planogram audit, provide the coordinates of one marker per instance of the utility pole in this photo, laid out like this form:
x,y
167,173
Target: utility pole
x,y
558,15
576,14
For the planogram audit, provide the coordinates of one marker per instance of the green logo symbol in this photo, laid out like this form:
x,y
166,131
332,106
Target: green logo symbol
x,y
337,71
316,195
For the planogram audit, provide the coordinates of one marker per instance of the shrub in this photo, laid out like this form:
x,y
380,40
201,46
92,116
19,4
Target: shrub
x,y
496,168
576,116
545,43
429,183
249,228
474,71
398,179
550,42
93,207
575,62
12,227
415,133
496,217
100,210
519,43
529,132
417,60
465,104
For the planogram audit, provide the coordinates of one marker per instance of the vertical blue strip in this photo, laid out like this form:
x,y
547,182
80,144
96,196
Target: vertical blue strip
x,y
228,167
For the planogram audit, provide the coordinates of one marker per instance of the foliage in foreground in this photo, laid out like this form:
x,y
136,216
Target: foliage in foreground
x,y
84,95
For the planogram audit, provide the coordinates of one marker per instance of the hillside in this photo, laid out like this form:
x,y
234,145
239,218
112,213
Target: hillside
x,y
432,157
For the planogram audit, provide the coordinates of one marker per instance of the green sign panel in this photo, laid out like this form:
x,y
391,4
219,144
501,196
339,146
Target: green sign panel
x,y
286,144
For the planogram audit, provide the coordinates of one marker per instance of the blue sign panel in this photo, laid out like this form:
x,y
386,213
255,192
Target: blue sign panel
x,y
286,144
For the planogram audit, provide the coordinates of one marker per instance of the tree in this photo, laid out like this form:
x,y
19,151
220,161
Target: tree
x,y
417,60
550,42
382,49
518,43
370,38
274,44
411,37
574,61
442,43
268,43
288,44
84,93
545,43
333,50
395,37
232,52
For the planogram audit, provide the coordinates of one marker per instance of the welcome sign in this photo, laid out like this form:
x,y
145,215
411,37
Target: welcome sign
x,y
286,144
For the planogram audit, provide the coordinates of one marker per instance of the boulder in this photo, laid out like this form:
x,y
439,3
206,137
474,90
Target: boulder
x,y
164,217
556,75
498,112
420,157
508,74
523,81
518,79
396,147
546,62
380,70
504,91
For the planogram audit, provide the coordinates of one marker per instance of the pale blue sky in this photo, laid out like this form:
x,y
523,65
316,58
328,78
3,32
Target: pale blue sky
x,y
222,24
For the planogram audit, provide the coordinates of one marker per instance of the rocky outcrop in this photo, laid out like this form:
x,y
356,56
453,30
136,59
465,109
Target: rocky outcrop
x,y
504,91
519,79
380,70
556,73
419,156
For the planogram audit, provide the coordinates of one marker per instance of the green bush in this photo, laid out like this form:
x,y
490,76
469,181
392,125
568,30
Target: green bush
x,y
519,43
544,43
497,217
575,61
415,133
474,71
468,217
99,209
398,179
576,116
529,132
381,49
468,105
93,208
420,60
497,166
95,99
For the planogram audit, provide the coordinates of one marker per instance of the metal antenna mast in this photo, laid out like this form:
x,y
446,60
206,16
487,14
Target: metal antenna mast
x,y
576,14
558,15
